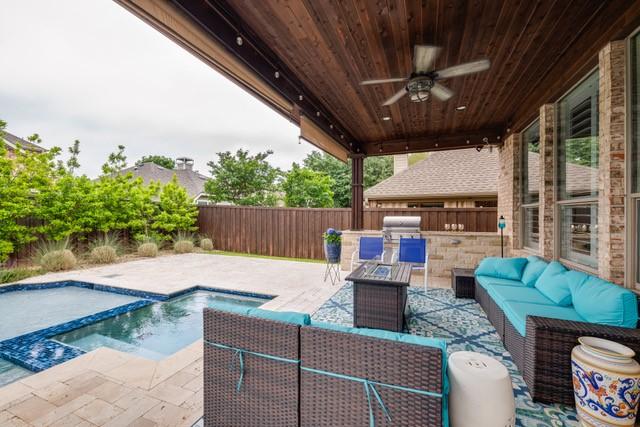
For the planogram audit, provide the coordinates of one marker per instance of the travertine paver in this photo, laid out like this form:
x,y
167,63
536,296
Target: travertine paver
x,y
84,392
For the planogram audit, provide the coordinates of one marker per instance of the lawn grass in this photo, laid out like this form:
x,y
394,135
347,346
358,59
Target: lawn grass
x,y
243,254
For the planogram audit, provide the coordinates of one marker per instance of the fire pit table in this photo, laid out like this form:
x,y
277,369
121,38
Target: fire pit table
x,y
380,295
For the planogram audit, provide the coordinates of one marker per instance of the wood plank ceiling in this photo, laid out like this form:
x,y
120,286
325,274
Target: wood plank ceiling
x,y
331,45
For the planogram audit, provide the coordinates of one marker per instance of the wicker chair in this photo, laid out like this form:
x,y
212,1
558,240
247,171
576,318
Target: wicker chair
x,y
268,393
340,399
543,356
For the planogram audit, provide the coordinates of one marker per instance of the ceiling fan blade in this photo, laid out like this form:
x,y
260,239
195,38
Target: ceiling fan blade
x,y
462,69
424,57
379,81
441,92
399,94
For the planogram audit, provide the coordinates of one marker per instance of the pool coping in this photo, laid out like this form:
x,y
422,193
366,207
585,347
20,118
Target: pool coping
x,y
36,351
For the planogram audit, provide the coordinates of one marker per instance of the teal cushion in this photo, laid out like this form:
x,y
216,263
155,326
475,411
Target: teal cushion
x,y
486,281
517,313
533,270
599,301
503,268
281,316
554,284
502,294
230,307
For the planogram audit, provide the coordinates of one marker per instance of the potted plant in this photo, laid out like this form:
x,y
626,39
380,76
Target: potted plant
x,y
332,245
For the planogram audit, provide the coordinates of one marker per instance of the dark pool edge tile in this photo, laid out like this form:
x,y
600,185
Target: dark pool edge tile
x,y
36,351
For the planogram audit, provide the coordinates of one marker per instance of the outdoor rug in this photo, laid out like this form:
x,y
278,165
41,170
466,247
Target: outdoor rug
x,y
464,325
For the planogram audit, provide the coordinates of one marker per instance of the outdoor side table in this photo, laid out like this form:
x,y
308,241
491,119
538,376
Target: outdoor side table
x,y
463,282
380,295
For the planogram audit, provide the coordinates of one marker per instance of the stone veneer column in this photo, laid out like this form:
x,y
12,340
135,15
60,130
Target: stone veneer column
x,y
547,198
611,182
509,189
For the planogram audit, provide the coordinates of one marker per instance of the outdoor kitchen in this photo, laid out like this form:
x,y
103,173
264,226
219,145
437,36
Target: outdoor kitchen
x,y
446,249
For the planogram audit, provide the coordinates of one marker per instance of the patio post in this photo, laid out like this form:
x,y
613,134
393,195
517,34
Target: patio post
x,y
357,200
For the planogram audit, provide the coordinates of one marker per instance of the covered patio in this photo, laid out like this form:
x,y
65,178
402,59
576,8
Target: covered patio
x,y
554,90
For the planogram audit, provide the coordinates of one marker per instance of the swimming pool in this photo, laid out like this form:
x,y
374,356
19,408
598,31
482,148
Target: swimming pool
x,y
154,331
10,372
25,311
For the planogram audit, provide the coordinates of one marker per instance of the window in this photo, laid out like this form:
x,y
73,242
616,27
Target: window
x,y
486,203
425,205
530,182
634,157
577,173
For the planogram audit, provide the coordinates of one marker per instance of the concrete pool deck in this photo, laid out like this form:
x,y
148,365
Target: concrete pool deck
x,y
299,286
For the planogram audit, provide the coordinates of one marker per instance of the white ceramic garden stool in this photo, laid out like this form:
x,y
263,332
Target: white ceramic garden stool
x,y
481,394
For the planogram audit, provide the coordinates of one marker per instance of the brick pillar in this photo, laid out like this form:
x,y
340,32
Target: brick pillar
x,y
509,189
547,132
611,182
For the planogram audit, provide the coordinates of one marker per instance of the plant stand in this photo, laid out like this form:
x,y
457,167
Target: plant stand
x,y
332,271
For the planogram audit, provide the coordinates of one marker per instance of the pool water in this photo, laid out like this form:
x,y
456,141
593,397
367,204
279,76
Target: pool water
x,y
154,331
10,372
31,310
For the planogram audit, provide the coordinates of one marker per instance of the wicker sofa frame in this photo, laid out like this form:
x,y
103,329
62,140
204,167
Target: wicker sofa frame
x,y
275,393
543,356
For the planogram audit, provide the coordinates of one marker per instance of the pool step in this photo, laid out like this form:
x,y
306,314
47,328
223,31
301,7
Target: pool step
x,y
95,340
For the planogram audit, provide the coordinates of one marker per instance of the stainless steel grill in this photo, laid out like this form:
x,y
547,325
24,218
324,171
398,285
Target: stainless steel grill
x,y
394,227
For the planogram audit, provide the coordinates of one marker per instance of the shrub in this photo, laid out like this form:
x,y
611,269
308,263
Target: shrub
x,y
148,249
206,244
55,256
104,249
183,246
104,255
15,274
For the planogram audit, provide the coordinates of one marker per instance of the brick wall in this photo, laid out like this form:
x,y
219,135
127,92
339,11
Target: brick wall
x,y
611,182
446,250
547,195
509,188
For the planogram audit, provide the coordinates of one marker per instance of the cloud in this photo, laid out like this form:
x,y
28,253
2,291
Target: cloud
x,y
92,71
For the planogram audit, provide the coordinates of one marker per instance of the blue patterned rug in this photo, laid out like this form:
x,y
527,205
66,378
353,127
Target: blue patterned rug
x,y
465,327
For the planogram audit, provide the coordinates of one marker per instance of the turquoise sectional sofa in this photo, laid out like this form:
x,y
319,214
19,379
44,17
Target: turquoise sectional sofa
x,y
540,308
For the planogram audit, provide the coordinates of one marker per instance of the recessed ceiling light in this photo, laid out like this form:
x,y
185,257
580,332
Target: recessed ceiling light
x,y
386,118
461,107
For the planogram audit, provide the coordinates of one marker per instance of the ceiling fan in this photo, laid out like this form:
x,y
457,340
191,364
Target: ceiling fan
x,y
424,80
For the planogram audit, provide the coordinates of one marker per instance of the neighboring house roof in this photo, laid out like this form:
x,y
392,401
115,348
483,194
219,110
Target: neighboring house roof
x,y
191,180
13,141
443,174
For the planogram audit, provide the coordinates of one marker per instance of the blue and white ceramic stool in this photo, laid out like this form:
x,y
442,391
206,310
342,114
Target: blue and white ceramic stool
x,y
481,394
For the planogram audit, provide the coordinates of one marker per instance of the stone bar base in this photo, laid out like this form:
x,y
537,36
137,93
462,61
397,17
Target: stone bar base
x,y
446,249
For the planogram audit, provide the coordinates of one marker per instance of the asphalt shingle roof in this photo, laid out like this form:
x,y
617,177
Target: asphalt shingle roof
x,y
443,174
13,141
191,180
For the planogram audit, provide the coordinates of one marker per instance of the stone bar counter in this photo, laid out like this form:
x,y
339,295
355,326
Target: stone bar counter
x,y
447,249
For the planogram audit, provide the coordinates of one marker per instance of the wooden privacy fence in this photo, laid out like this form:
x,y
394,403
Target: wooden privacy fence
x,y
296,232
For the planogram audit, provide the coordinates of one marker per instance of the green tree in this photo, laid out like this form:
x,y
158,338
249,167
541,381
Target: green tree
x,y
243,179
23,177
306,188
165,162
376,169
115,162
176,211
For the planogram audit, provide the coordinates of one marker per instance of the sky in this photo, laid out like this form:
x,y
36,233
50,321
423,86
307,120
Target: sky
x,y
90,70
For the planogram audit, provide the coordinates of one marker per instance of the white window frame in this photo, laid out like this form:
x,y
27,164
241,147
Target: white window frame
x,y
632,264
587,200
524,151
